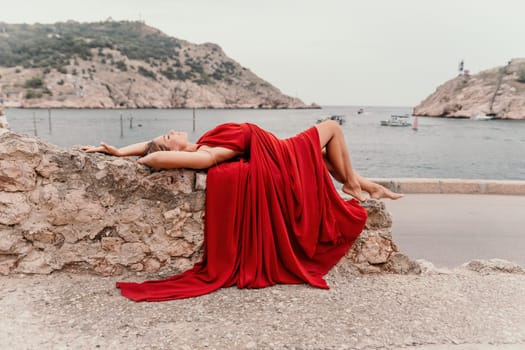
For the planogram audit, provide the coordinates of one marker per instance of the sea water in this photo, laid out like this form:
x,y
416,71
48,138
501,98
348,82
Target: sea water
x,y
440,148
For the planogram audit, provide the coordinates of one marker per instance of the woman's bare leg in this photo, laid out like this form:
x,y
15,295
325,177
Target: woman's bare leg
x,y
375,190
333,140
330,168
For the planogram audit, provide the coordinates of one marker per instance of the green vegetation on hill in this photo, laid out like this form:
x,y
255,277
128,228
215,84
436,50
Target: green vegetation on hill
x,y
54,45
35,88
61,45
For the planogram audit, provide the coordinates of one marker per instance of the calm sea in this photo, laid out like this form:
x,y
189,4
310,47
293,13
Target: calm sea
x,y
444,148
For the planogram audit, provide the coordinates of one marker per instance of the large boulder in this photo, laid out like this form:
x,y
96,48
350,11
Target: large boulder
x,y
64,209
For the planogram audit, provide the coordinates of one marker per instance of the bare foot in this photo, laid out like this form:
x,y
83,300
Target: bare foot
x,y
383,192
354,191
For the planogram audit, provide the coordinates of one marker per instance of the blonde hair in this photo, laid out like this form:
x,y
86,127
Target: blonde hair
x,y
153,147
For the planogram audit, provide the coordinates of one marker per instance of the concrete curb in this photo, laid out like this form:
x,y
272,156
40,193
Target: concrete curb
x,y
459,186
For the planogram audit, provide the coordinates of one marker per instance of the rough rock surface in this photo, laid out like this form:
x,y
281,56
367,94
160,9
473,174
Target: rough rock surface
x,y
493,265
498,92
66,210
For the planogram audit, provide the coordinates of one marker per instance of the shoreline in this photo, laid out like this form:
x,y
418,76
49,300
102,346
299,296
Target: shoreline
x,y
164,108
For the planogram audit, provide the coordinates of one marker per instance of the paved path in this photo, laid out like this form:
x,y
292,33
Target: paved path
x,y
460,310
451,229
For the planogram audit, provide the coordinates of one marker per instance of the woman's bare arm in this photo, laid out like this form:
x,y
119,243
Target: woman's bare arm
x,y
136,149
177,159
200,159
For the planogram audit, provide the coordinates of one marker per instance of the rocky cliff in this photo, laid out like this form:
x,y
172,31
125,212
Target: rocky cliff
x,y
497,92
123,65
63,209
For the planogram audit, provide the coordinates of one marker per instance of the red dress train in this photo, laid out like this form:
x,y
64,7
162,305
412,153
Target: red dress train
x,y
271,217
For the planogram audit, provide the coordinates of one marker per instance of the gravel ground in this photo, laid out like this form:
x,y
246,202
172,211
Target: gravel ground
x,y
460,309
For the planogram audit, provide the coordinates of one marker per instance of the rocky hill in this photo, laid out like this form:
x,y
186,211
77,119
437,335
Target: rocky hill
x,y
497,92
123,65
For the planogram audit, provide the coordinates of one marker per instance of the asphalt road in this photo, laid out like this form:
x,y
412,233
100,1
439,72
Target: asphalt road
x,y
451,229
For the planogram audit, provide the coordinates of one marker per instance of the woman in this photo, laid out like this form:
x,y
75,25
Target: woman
x,y
173,150
272,212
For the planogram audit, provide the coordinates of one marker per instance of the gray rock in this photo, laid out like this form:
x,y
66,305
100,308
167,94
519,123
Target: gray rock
x,y
493,266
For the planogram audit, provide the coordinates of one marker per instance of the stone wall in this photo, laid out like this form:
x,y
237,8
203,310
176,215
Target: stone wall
x,y
66,210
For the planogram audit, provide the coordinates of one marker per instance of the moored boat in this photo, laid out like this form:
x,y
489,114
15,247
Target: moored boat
x,y
396,120
482,117
337,117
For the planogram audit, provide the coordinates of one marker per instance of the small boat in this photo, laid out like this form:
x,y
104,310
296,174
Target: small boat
x,y
337,117
482,117
396,120
360,111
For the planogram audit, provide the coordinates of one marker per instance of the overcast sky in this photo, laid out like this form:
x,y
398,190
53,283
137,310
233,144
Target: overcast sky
x,y
332,52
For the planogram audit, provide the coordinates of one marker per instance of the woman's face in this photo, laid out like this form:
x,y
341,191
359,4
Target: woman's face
x,y
173,140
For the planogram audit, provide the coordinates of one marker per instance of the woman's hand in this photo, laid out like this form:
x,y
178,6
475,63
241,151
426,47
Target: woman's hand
x,y
103,148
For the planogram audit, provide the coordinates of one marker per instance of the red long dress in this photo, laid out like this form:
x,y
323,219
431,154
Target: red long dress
x,y
271,217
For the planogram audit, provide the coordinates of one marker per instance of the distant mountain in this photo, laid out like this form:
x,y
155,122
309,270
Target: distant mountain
x,y
123,65
497,92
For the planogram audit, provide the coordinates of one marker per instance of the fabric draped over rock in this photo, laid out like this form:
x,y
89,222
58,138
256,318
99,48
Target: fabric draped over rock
x,y
272,217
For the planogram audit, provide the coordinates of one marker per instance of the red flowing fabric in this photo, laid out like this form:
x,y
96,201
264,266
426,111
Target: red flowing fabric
x,y
271,217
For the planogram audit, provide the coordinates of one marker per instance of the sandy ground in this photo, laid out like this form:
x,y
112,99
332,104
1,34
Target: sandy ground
x,y
458,309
